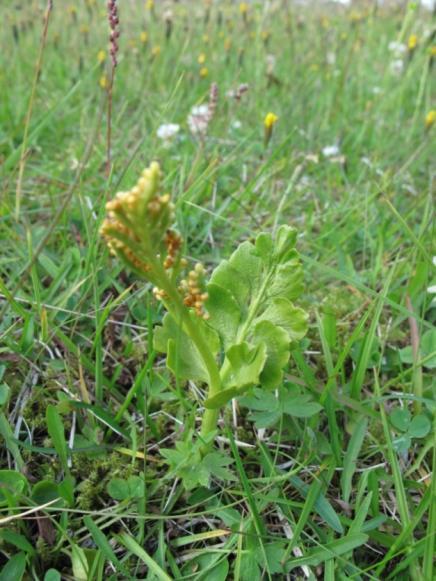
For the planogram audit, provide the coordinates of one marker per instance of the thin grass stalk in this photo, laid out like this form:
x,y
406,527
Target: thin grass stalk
x,y
38,68
114,22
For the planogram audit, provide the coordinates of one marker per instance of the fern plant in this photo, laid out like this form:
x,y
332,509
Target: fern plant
x,y
232,331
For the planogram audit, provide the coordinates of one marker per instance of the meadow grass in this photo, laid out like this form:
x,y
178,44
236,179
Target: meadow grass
x,y
86,402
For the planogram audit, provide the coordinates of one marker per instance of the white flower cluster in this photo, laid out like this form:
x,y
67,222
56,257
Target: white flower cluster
x,y
167,132
198,120
398,50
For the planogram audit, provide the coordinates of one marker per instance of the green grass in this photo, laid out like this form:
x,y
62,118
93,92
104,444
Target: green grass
x,y
85,402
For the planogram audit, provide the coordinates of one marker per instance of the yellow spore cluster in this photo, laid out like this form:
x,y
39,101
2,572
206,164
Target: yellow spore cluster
x,y
137,227
192,289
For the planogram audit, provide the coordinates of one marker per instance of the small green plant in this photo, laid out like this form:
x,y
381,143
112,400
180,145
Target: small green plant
x,y
408,427
233,331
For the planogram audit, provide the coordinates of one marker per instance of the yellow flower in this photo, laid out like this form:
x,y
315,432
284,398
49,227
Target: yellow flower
x,y
243,7
155,51
205,38
430,119
412,42
227,44
432,51
201,58
104,83
149,5
204,71
84,29
143,37
270,120
101,56
356,16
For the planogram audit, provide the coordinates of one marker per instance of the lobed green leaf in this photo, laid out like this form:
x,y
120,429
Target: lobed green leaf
x,y
250,303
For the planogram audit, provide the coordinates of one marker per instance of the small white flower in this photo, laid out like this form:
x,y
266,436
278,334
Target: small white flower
x,y
377,91
167,131
198,119
397,66
236,124
200,109
331,151
330,58
432,289
397,48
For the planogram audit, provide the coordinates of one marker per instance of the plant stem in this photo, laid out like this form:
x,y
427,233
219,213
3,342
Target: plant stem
x,y
37,73
417,373
180,312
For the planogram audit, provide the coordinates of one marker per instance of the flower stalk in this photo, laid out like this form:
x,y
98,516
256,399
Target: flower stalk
x,y
137,229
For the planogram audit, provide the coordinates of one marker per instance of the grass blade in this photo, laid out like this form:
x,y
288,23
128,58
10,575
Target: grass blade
x,y
329,551
56,431
103,544
351,456
137,550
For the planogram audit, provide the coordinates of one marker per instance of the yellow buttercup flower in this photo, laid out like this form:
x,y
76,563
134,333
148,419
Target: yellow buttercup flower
x,y
243,7
430,119
204,71
103,82
143,37
270,120
201,58
412,42
149,5
101,56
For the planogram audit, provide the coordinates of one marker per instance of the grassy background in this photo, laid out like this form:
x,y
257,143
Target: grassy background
x,y
343,495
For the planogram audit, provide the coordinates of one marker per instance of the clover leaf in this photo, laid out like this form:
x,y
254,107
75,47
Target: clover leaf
x,y
408,427
267,409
